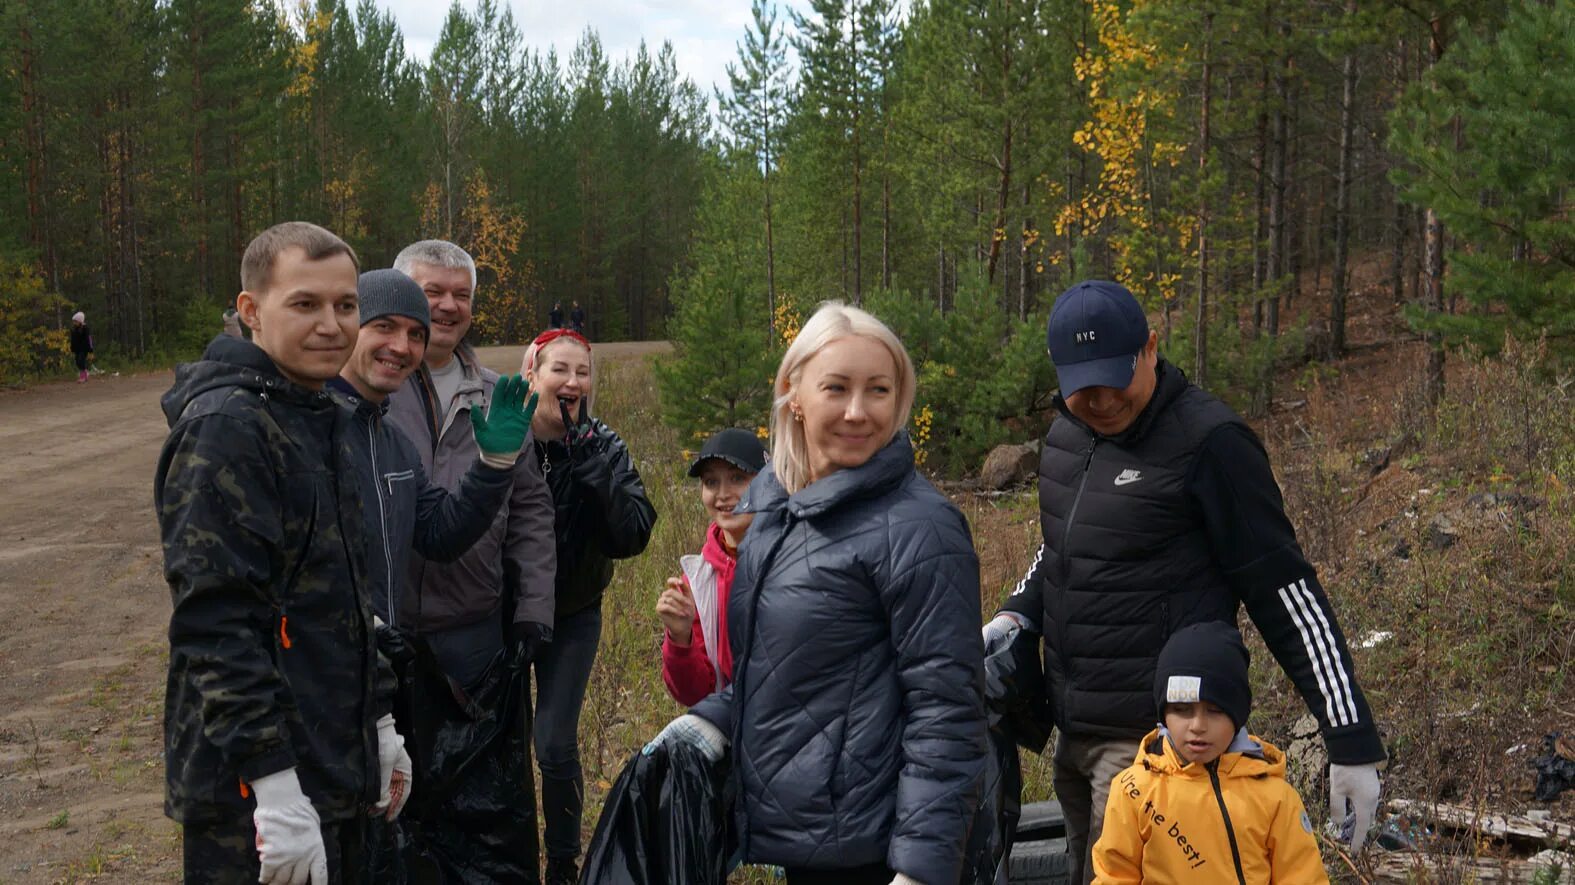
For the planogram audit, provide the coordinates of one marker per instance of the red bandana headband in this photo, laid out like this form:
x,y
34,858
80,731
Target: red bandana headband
x,y
552,335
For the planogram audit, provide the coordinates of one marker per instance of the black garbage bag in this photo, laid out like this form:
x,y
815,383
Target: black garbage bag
x,y
667,821
1025,712
989,850
471,816
1022,719
1555,767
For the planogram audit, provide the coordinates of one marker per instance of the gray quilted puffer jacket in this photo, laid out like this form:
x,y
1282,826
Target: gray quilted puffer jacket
x,y
856,712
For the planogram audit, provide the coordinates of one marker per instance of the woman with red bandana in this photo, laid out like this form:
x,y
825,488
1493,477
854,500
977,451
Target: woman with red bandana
x,y
600,514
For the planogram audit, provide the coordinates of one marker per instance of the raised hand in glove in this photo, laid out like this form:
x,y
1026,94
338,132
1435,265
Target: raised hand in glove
x,y
528,638
1353,790
500,432
694,731
289,832
393,768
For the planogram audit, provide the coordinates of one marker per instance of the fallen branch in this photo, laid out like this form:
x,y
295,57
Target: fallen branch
x,y
1502,826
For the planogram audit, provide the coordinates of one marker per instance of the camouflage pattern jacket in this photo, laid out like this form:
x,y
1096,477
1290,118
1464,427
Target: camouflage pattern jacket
x,y
273,661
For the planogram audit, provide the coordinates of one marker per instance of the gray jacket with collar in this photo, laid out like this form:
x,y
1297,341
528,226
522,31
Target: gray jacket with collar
x,y
514,562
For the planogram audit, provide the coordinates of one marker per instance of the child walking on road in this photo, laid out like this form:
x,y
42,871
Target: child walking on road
x,y
1205,801
696,657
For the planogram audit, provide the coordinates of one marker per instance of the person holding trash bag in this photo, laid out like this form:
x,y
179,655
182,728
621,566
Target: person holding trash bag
x,y
856,714
601,514
1159,510
480,618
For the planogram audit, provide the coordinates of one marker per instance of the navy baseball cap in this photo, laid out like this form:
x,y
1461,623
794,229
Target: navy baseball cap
x,y
736,446
1096,330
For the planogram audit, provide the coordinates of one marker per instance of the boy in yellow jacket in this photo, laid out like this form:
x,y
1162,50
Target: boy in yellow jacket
x,y
1205,801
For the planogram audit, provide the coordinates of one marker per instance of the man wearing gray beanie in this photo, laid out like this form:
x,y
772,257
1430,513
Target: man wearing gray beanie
x,y
404,510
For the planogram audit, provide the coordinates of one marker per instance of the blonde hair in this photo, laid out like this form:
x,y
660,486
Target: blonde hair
x,y
528,364
832,321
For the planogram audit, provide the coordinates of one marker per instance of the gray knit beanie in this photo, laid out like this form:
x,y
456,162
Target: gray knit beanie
x,y
389,292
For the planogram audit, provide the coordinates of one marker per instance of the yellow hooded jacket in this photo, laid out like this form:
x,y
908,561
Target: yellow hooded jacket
x,y
1234,821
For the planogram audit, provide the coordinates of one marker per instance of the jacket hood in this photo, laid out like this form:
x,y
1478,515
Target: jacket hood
x,y
1252,757
714,550
227,362
352,397
1169,383
884,471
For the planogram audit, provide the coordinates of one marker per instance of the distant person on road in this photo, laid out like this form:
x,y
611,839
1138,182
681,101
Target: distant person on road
x,y
496,599
81,345
577,318
696,656
856,716
232,324
602,515
273,755
1205,801
555,316
1158,510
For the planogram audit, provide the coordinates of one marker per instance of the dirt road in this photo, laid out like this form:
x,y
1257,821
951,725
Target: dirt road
x,y
83,614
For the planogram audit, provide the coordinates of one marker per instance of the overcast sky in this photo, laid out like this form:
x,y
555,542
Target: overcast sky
x,y
704,33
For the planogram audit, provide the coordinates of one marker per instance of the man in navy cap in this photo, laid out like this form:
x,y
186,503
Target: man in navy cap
x,y
1158,510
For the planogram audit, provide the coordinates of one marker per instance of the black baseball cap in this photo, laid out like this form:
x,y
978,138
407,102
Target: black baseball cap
x,y
736,446
1096,330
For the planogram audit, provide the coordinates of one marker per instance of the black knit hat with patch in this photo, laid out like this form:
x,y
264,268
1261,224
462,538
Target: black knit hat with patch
x,y
1205,662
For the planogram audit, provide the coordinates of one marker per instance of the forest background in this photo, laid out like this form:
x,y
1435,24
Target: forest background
x,y
952,164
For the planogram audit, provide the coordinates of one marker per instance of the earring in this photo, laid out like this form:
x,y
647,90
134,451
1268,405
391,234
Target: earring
x,y
799,417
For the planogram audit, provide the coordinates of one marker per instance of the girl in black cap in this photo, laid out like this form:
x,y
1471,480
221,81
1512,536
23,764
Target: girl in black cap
x,y
696,657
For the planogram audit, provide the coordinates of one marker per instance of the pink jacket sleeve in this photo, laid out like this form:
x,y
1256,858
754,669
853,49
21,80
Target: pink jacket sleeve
x,y
686,670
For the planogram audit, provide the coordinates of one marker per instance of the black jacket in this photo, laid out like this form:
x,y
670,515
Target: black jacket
x,y
602,514
1175,521
81,339
405,511
857,708
273,662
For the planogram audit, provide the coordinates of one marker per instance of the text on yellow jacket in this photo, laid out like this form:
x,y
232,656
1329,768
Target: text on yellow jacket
x,y
1234,820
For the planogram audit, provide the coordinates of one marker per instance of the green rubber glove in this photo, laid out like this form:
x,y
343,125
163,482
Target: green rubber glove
x,y
500,433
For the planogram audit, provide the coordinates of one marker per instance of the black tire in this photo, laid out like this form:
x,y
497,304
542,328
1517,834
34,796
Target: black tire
x,y
1041,820
1039,863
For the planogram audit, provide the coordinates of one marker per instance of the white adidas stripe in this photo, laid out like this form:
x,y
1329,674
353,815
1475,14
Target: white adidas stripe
x,y
1334,651
1320,647
1023,584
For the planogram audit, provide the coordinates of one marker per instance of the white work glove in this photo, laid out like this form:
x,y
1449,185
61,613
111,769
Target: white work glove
x,y
694,731
904,879
289,832
998,634
1357,785
393,769
1001,630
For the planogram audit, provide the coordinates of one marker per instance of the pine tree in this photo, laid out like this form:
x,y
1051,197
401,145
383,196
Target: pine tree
x,y
1504,189
720,375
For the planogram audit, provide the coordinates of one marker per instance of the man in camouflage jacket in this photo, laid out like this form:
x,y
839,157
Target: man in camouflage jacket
x,y
274,674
